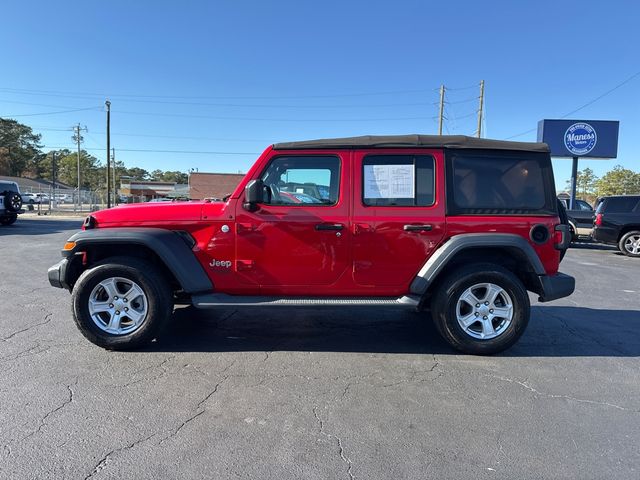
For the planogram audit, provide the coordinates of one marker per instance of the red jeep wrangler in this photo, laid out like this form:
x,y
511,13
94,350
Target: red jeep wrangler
x,y
459,226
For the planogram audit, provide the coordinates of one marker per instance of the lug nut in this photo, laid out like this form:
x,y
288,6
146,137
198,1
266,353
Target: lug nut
x,y
118,312
486,303
477,305
124,300
111,305
484,318
491,310
115,298
477,314
126,309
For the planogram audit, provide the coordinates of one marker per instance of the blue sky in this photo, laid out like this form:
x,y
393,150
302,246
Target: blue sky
x,y
229,78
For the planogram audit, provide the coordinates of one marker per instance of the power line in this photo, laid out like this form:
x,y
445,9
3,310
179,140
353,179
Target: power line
x,y
161,151
590,102
225,97
261,119
50,113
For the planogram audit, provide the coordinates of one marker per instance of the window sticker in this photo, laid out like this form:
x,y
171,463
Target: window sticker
x,y
389,181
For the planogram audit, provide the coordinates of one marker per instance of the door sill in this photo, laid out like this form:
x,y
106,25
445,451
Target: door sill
x,y
216,300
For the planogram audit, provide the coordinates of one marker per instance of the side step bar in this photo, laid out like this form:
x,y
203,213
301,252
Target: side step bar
x,y
215,300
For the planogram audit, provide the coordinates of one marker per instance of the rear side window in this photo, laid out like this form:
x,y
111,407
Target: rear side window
x,y
500,183
398,180
621,204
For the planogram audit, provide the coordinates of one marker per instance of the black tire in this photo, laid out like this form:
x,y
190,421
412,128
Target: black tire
x,y
8,219
12,201
444,305
626,244
152,282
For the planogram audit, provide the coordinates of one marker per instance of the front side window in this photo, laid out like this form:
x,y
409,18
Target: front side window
x,y
302,180
398,180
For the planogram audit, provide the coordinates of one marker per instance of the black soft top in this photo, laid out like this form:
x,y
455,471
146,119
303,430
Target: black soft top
x,y
421,141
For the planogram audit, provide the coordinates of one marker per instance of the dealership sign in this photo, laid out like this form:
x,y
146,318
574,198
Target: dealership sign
x,y
580,138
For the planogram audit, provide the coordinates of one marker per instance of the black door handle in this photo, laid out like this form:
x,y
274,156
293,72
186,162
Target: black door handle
x,y
418,228
329,226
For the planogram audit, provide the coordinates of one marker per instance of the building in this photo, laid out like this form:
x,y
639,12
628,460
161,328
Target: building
x,y
143,191
212,185
36,185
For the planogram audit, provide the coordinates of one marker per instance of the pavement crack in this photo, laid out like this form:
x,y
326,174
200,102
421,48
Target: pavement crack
x,y
537,393
200,409
47,319
43,420
104,461
341,451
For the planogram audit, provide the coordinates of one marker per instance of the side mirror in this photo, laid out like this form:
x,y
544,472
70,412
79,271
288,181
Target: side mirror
x,y
253,195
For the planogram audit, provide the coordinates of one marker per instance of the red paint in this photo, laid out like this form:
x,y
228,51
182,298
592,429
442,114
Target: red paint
x,y
277,250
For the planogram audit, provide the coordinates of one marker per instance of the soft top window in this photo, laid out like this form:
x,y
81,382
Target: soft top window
x,y
500,183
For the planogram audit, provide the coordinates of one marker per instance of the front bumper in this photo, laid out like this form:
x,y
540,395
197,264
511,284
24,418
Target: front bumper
x,y
58,274
556,286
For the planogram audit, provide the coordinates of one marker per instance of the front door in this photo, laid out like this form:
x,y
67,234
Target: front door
x,y
398,216
298,241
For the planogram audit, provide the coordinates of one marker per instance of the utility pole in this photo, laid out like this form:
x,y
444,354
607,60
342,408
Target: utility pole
x,y
480,108
441,116
108,104
78,138
113,168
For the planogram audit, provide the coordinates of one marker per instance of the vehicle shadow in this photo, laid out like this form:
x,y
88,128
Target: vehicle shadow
x,y
40,227
554,331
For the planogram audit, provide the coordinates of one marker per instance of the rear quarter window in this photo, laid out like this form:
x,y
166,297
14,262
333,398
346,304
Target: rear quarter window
x,y
485,182
621,204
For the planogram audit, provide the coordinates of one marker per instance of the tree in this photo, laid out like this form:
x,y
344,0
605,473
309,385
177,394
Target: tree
x,y
19,147
586,183
619,181
136,173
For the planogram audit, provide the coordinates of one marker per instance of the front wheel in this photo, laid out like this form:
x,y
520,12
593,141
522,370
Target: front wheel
x,y
630,244
8,220
122,303
481,309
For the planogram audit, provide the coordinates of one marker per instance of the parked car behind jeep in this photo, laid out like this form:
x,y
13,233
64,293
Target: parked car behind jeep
x,y
618,223
581,217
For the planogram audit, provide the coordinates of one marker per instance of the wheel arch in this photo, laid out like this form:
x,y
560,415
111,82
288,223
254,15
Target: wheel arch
x,y
507,250
166,249
626,229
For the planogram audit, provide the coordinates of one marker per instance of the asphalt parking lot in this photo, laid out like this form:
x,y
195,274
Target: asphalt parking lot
x,y
366,394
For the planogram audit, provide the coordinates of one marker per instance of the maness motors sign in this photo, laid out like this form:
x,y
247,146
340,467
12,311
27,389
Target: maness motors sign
x,y
580,138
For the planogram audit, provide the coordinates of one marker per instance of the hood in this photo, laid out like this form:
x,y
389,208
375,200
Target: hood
x,y
148,214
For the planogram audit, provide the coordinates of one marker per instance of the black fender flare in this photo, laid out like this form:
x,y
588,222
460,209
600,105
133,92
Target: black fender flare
x,y
167,244
447,252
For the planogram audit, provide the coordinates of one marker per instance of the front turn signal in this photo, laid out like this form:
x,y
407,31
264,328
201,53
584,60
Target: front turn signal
x,y
69,246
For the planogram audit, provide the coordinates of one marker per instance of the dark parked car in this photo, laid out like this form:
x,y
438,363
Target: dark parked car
x,y
618,223
581,217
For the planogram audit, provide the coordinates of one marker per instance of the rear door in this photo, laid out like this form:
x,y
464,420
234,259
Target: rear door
x,y
398,216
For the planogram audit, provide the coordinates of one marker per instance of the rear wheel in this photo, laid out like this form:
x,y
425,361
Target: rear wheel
x,y
8,219
481,309
630,244
122,303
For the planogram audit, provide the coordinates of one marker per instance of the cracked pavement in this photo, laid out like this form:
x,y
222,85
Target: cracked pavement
x,y
317,394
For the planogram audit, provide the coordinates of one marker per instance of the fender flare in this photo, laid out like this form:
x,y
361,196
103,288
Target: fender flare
x,y
446,252
169,246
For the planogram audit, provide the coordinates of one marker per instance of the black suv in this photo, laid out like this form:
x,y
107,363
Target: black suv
x,y
10,202
618,223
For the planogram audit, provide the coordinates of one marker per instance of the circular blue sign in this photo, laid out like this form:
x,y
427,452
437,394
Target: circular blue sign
x,y
580,138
